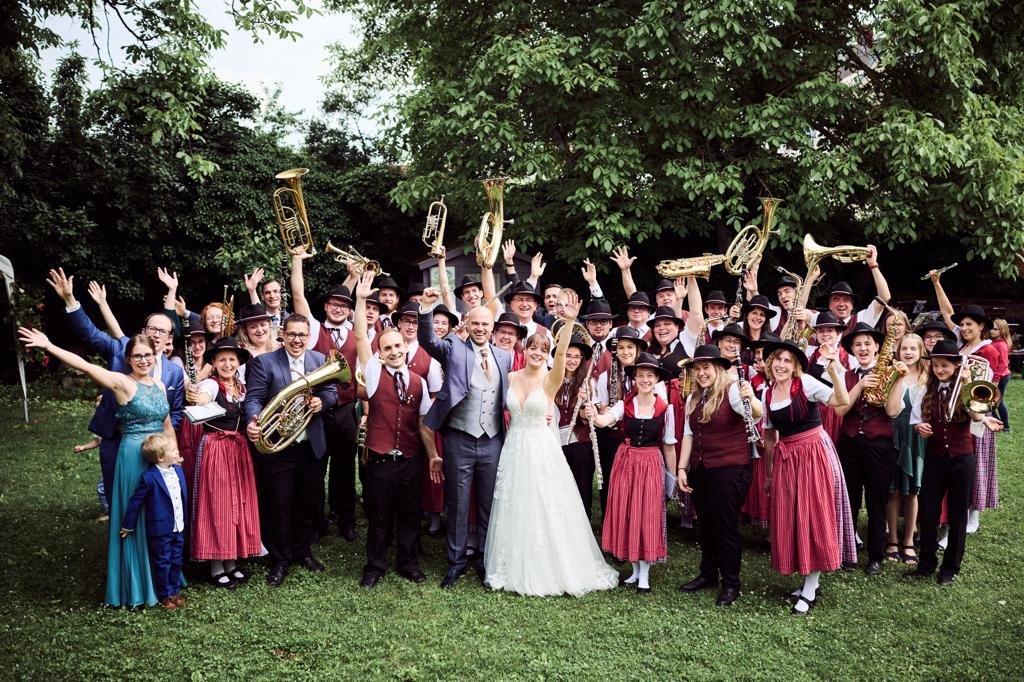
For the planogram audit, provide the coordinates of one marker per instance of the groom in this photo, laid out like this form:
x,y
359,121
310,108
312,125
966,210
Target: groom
x,y
469,413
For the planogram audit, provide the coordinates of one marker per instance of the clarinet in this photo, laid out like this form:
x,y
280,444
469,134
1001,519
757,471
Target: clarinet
x,y
739,292
190,362
753,437
593,442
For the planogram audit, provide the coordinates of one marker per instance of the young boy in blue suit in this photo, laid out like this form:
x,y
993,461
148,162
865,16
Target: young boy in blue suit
x,y
162,489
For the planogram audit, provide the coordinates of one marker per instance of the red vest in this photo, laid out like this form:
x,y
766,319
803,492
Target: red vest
x,y
325,344
949,439
722,442
872,421
582,429
420,363
393,425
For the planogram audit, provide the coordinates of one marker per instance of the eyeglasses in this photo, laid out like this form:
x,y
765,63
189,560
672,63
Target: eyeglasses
x,y
295,336
157,331
573,356
141,357
339,306
408,320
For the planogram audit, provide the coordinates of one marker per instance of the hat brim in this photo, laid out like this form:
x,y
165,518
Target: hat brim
x,y
536,297
211,354
520,329
955,357
801,357
453,319
944,330
847,340
959,317
587,351
721,362
721,333
630,371
768,312
459,289
606,317
254,318
855,297
612,342
640,304
679,322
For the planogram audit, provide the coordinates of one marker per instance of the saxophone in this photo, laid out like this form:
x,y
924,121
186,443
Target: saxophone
x,y
886,373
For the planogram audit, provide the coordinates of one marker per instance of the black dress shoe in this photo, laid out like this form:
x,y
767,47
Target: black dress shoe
x,y
873,568
370,580
849,565
348,533
223,579
413,576
310,562
481,572
945,579
276,574
727,596
451,577
918,573
699,583
642,590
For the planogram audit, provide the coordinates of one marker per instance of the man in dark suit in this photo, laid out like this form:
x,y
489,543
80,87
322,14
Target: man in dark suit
x,y
288,479
469,413
159,328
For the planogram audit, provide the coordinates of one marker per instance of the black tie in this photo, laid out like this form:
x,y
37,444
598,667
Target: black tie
x,y
400,387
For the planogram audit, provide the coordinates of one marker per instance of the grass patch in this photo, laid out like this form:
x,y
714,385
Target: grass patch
x,y
325,626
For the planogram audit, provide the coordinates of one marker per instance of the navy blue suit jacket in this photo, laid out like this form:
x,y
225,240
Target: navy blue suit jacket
x,y
153,492
266,375
458,359
104,421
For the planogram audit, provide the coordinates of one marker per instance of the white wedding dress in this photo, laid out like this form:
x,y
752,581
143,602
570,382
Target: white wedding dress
x,y
539,542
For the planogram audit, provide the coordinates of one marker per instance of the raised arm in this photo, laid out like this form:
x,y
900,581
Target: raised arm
x,y
364,288
945,305
620,256
695,304
487,284
298,283
447,297
121,385
839,397
170,280
436,347
107,346
98,292
554,378
589,272
252,282
881,286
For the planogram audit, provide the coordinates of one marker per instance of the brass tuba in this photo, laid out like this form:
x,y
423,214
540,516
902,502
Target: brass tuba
x,y
433,231
287,415
290,210
488,241
814,253
697,266
750,242
363,264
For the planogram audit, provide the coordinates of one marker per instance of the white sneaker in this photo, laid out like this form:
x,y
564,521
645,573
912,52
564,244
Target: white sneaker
x,y
944,541
973,521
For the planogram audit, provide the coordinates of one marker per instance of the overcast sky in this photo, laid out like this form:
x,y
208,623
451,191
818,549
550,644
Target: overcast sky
x,y
297,66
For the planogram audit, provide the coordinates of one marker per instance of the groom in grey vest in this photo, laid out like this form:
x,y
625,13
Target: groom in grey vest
x,y
469,413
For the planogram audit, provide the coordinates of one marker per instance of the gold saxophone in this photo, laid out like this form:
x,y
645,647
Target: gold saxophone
x,y
287,415
290,211
883,369
488,241
697,266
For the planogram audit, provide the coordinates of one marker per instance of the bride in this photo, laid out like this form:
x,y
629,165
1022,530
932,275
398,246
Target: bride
x,y
540,542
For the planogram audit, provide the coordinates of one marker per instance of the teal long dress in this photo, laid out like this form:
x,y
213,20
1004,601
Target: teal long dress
x,y
129,577
909,446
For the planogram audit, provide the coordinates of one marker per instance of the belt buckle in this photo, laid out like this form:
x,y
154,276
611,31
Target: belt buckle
x,y
394,453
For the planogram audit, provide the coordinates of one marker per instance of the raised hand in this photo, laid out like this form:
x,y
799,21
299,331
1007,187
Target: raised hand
x,y
589,271
430,296
620,256
169,279
900,367
364,285
33,338
679,284
98,292
508,252
252,281
180,307
299,254
570,304
828,351
63,285
872,259
537,266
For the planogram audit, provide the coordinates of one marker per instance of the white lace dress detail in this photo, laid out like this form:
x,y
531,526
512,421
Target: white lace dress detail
x,y
540,542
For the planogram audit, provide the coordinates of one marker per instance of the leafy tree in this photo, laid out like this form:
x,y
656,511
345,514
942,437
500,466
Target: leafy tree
x,y
886,121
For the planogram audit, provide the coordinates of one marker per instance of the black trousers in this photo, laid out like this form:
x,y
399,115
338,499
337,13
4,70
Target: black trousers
x,y
868,466
952,478
580,457
718,495
287,489
608,442
341,428
391,497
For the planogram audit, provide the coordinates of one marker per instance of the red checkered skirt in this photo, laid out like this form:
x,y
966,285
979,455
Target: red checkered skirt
x,y
985,492
189,435
634,522
830,421
803,513
432,494
225,518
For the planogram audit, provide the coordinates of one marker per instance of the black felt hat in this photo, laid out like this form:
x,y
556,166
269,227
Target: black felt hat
x,y
947,349
468,281
523,289
858,329
415,289
339,291
761,303
710,353
252,312
936,325
442,309
788,345
666,313
974,312
598,309
512,321
647,361
226,344
827,319
627,333
731,330
639,299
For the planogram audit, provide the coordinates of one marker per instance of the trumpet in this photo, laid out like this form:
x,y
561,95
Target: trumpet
x,y
938,272
362,263
290,211
697,266
488,241
433,231
750,242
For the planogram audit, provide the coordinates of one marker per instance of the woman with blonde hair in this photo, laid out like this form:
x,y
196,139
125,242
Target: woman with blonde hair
x,y
1002,340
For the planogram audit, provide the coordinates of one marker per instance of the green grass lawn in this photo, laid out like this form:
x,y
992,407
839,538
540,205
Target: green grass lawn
x,y
325,626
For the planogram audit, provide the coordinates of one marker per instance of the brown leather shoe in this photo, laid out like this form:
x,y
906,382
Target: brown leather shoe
x,y
169,603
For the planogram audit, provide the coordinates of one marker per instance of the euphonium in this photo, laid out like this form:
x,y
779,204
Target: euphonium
x,y
750,242
291,216
488,241
363,264
978,393
883,369
287,415
697,266
433,231
558,327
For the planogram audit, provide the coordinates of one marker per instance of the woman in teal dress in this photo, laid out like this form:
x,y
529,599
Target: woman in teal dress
x,y
906,484
144,410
